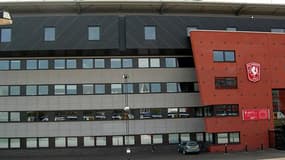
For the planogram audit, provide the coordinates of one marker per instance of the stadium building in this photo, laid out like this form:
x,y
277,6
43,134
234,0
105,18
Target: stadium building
x,y
185,70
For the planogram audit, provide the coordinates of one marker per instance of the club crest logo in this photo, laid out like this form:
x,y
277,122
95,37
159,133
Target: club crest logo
x,y
253,71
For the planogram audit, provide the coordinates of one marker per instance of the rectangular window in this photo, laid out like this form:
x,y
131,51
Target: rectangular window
x,y
116,63
231,29
94,33
15,64
43,64
172,112
71,63
100,89
101,141
224,56
4,90
14,116
43,90
72,142
116,88
88,88
222,138
128,88
157,139
31,143
49,34
129,140
127,63
4,143
60,142
14,90
31,90
155,62
189,29
173,138
99,63
87,63
88,141
150,32
145,139
143,63
31,64
184,137
59,64
144,88
278,30
155,87
171,87
200,137
59,89
43,142
226,110
3,116
234,137
6,35
170,62
71,89
117,140
100,115
15,143
4,65
88,116
225,82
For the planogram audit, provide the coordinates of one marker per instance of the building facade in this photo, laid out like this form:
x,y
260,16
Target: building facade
x,y
62,79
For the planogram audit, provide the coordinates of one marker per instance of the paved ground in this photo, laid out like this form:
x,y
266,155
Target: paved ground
x,y
141,154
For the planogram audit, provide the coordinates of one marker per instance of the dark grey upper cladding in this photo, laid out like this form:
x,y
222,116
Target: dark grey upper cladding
x,y
119,32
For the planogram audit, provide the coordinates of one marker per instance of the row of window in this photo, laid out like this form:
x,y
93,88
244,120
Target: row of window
x,y
226,82
97,63
143,113
91,141
90,89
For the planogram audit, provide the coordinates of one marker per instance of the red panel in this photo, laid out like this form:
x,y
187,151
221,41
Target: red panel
x,y
255,114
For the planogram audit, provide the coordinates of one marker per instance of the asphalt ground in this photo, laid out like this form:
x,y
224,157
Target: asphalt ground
x,y
137,154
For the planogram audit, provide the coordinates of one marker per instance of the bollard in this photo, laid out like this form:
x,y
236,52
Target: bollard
x,y
246,148
226,148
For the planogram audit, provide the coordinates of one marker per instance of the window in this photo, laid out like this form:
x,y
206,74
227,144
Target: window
x,y
15,143
100,115
31,143
43,142
234,137
231,29
185,87
116,63
145,139
43,90
173,138
72,142
88,116
209,137
14,116
4,143
14,90
127,63
71,63
172,112
4,65
60,142
226,110
150,32
116,88
31,90
49,34
59,89
200,137
43,64
189,29
87,63
31,64
144,88
99,63
59,64
171,87
157,139
143,63
155,62
128,88
93,33
88,88
226,82
129,140
71,89
3,116
155,87
101,141
222,138
184,137
278,30
170,62
15,64
88,141
4,90
224,56
117,140
100,89
6,34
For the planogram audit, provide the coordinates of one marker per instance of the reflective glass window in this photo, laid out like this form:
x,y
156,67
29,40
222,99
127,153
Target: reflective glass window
x,y
4,143
184,137
59,64
60,142
99,63
222,138
143,63
116,88
59,89
157,139
49,34
127,63
170,62
14,116
15,143
43,64
145,139
4,90
88,88
43,90
71,89
88,141
15,64
87,63
6,34
155,62
150,33
4,65
129,140
155,87
101,141
31,143
128,88
93,33
72,142
116,63
173,138
3,116
43,142
31,64
71,63
31,90
171,87
99,88
117,140
144,88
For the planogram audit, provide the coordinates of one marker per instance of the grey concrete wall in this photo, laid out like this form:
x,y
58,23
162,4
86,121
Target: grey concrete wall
x,y
96,128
